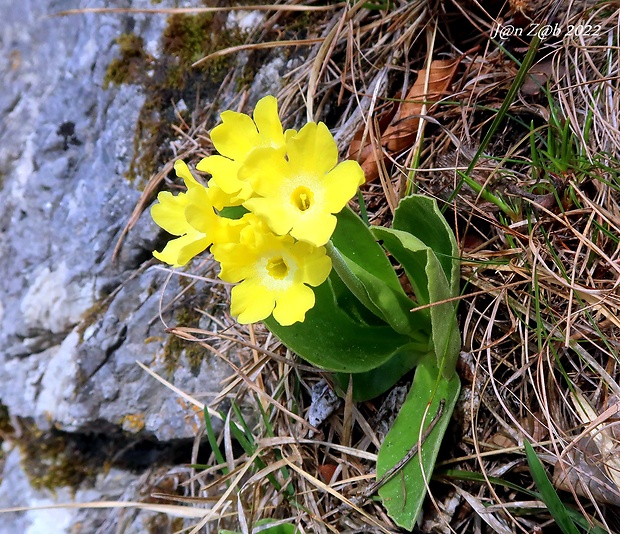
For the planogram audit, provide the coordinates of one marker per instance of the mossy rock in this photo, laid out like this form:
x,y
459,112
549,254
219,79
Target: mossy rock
x,y
170,79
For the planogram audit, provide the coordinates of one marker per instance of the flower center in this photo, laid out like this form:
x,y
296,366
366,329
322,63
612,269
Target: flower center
x,y
302,198
277,268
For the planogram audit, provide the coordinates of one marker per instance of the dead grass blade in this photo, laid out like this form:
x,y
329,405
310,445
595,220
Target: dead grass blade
x,y
256,46
169,509
196,10
400,125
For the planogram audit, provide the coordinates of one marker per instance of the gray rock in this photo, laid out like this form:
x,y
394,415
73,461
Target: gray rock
x,y
73,323
64,199
323,403
16,491
113,486
66,143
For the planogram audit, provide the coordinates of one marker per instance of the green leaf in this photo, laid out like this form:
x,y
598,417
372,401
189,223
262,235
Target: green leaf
x,y
445,333
364,267
420,216
403,494
348,302
285,528
355,241
233,212
412,254
332,339
549,496
373,383
428,278
391,305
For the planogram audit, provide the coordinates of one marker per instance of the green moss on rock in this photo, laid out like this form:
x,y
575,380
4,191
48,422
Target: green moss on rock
x,y
129,67
176,347
51,460
169,79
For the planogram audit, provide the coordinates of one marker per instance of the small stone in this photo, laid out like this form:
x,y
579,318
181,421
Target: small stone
x,y
323,403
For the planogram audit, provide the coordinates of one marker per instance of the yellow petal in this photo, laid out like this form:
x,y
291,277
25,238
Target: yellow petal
x,y
289,134
265,169
199,211
313,150
315,263
251,302
182,170
169,212
219,199
292,304
224,172
315,230
236,136
268,122
236,261
340,185
273,212
179,251
229,230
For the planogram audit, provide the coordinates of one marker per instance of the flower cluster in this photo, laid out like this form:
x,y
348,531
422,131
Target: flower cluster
x,y
290,184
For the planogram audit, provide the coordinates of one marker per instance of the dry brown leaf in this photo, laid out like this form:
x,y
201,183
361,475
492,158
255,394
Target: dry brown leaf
x,y
327,472
591,468
539,75
584,473
403,129
398,130
367,158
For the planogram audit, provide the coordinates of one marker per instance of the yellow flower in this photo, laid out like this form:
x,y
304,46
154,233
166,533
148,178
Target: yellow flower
x,y
299,195
219,199
192,217
235,139
274,271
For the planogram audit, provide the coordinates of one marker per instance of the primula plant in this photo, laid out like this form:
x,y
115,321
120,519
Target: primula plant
x,y
275,216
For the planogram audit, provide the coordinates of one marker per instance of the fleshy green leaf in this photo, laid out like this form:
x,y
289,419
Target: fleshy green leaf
x,y
373,383
233,212
348,302
446,335
403,494
355,241
549,496
412,254
285,528
420,216
391,305
332,339
363,266
431,285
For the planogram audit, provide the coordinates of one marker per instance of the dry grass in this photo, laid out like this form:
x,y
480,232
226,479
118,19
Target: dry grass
x,y
539,310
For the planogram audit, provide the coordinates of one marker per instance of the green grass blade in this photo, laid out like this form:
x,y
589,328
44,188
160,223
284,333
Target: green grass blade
x,y
246,429
213,442
290,490
548,494
499,117
247,444
457,474
519,79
